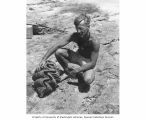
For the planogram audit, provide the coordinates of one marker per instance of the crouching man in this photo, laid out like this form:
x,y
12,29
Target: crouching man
x,y
86,55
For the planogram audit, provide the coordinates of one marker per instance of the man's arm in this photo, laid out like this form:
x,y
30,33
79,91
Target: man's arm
x,y
58,45
94,57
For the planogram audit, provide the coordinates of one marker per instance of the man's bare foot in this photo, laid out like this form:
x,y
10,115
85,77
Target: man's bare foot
x,y
63,76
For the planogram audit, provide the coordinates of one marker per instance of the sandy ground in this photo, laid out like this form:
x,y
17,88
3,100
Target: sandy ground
x,y
103,96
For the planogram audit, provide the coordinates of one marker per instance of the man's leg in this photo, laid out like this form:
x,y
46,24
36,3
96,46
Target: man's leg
x,y
65,56
62,57
85,79
89,76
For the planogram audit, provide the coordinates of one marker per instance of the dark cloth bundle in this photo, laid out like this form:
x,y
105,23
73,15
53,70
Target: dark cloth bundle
x,y
46,79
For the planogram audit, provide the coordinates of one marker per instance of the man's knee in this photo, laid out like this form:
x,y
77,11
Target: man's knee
x,y
60,52
89,78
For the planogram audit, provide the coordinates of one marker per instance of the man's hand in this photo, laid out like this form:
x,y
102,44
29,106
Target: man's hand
x,y
74,72
42,63
39,66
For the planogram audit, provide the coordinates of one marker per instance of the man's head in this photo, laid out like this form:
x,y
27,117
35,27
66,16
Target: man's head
x,y
82,24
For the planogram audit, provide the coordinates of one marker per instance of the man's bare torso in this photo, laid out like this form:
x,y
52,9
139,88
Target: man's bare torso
x,y
86,47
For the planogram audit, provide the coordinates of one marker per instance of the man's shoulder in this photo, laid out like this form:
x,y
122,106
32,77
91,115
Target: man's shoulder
x,y
70,36
73,36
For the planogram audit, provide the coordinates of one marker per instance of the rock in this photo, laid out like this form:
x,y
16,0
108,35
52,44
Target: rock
x,y
29,31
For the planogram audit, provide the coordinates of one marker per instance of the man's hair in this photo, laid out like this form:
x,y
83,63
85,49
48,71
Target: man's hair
x,y
82,18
